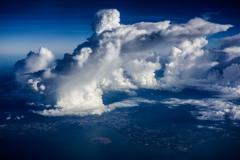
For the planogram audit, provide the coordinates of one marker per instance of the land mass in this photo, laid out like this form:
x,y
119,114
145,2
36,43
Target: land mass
x,y
150,128
102,140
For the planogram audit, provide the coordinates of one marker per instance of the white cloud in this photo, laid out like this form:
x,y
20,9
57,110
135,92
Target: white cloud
x,y
151,27
131,93
122,57
33,83
18,118
131,102
105,19
195,27
83,56
38,61
208,127
93,109
42,87
209,109
142,72
233,52
186,62
9,117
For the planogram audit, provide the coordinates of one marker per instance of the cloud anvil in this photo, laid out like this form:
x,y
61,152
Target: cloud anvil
x,y
125,58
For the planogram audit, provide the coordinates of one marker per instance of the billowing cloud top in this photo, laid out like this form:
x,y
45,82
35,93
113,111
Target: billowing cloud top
x,y
105,19
125,58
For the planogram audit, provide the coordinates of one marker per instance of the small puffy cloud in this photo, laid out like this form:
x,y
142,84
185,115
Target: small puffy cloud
x,y
42,87
131,93
8,118
33,83
48,105
35,104
31,103
18,118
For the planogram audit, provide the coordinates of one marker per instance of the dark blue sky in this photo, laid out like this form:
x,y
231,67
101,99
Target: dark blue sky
x,y
60,25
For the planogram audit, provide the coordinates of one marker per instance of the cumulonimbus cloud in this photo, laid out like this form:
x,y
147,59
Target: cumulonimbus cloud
x,y
125,58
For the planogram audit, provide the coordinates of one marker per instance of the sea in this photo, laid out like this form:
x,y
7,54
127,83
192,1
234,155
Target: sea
x,y
74,143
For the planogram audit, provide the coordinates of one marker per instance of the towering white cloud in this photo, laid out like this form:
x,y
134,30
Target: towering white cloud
x,y
105,20
123,58
187,62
